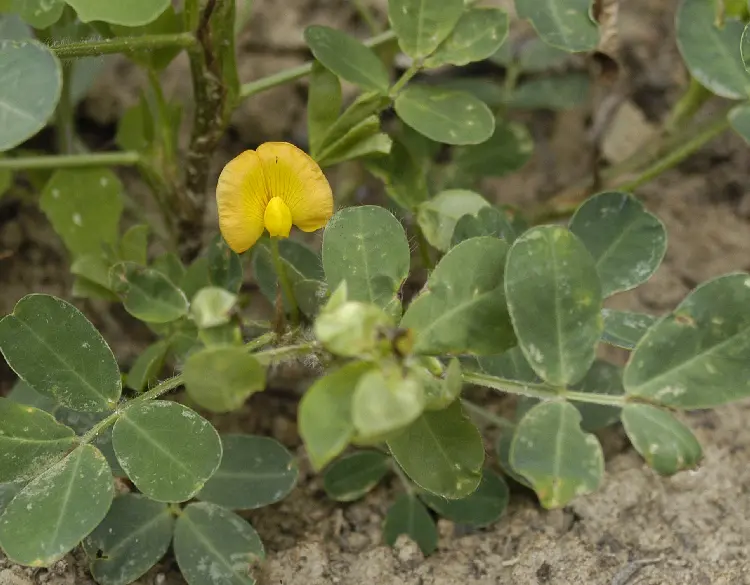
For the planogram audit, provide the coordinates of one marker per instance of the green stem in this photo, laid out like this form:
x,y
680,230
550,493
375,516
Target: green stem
x,y
405,78
70,161
286,285
285,351
424,248
293,73
124,45
366,15
685,108
543,391
264,339
64,116
481,412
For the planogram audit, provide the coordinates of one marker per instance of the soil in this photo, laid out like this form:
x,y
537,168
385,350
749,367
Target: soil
x,y
639,528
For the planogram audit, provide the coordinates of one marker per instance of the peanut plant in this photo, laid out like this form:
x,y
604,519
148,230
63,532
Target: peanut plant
x,y
513,299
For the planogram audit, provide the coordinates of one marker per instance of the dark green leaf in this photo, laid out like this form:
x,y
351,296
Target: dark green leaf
x,y
195,277
323,105
626,241
224,266
8,491
511,365
254,472
624,328
739,120
484,506
403,174
30,86
168,22
442,452
58,352
363,140
22,393
665,443
697,356
438,216
565,24
168,450
504,444
556,92
421,25
148,365
409,516
134,535
554,298
711,52
57,509
146,294
463,308
443,115
347,57
477,36
171,267
30,440
84,207
508,150
366,105
489,221
131,13
351,477
221,378
215,546
366,247
602,378
325,413
555,455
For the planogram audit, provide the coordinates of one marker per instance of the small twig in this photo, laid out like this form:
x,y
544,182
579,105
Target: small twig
x,y
123,45
629,571
70,161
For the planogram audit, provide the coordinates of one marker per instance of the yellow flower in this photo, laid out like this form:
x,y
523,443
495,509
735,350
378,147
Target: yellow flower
x,y
271,188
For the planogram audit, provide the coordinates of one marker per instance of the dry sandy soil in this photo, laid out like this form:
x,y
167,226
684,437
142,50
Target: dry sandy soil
x,y
639,529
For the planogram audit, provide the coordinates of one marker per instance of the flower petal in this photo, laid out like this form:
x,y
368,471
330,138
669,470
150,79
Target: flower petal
x,y
297,179
242,196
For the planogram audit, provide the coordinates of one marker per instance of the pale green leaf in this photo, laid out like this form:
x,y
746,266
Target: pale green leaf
x,y
146,294
565,24
477,36
739,120
134,244
212,306
421,25
130,13
624,328
40,14
351,477
438,216
147,366
323,105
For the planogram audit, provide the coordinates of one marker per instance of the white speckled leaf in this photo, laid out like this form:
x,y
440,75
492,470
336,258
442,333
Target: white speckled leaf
x,y
421,25
698,356
168,450
551,451
565,24
624,328
56,510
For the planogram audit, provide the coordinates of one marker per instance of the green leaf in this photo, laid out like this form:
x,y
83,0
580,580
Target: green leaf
x,y
168,22
224,266
696,356
477,36
12,28
221,378
254,472
195,278
366,246
554,92
364,106
667,445
40,14
602,378
739,120
131,13
135,130
215,546
30,86
8,491
536,56
745,47
711,53
146,294
59,353
463,308
511,365
421,25
134,535
300,263
168,450
409,516
57,509
481,508
554,299
323,105
507,151
625,329
134,244
147,367
565,24
440,392
30,440
325,413
442,452
627,242
351,477
489,221
438,216
22,393
403,173
352,329
363,140
385,401
503,446
485,89
443,115
84,207
212,306
93,268
347,57
170,266
555,455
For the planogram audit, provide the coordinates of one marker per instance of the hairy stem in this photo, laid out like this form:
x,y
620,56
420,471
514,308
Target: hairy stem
x,y
70,161
123,45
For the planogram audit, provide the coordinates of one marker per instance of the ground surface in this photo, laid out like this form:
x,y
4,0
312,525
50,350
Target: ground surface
x,y
639,528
